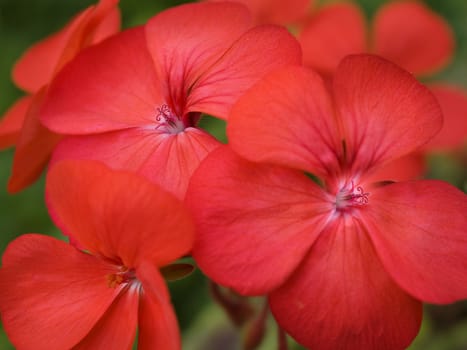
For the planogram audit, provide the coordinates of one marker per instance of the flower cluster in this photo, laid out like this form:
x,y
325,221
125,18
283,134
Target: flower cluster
x,y
315,202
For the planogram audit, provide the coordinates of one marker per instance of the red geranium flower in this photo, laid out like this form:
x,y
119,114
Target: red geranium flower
x,y
55,296
32,73
346,265
405,32
134,100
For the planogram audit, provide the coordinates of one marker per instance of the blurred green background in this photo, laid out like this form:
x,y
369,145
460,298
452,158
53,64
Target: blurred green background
x,y
204,325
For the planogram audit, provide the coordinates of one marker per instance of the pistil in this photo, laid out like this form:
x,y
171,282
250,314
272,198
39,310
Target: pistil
x,y
351,197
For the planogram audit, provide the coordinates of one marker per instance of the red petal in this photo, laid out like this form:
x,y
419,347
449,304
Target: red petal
x,y
386,112
287,119
409,167
413,36
186,40
12,122
277,11
51,294
33,149
180,156
119,215
167,160
110,24
38,65
341,297
246,214
453,101
110,86
418,229
158,328
333,32
257,52
117,328
106,21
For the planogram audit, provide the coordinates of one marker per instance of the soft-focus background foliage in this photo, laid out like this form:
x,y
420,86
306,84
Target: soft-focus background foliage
x,y
204,326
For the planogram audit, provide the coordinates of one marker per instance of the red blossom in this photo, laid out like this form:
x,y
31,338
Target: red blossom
x,y
347,265
55,296
33,72
134,100
405,32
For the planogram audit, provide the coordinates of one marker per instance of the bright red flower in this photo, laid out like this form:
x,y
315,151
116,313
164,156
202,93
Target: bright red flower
x,y
54,296
133,101
32,73
345,265
405,32
277,11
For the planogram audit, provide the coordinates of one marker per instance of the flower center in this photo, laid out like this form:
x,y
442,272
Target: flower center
x,y
123,276
351,197
168,122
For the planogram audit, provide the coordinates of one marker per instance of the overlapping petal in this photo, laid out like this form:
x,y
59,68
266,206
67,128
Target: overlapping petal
x,y
106,20
418,230
167,160
33,72
332,33
101,22
342,298
453,102
12,121
287,119
33,149
180,155
117,327
110,86
246,214
127,149
39,64
185,41
385,112
158,328
63,290
218,88
411,35
127,218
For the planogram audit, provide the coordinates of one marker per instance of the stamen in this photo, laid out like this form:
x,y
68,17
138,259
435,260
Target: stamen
x,y
168,121
124,276
359,197
164,114
355,196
